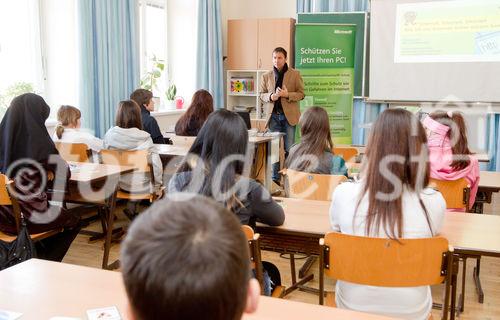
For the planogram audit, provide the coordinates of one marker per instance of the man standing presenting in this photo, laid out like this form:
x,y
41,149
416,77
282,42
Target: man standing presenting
x,y
281,89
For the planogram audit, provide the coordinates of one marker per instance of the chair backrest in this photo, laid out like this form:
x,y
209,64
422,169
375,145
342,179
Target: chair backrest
x,y
455,192
310,186
139,159
7,200
385,262
182,140
4,194
255,255
78,152
347,153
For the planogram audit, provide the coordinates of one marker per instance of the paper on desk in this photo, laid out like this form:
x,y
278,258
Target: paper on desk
x,y
108,313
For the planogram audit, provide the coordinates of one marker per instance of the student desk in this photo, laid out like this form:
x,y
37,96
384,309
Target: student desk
x,y
42,289
86,177
265,155
306,221
489,182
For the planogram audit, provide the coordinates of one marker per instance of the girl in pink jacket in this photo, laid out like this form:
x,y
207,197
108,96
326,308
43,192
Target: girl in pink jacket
x,y
449,154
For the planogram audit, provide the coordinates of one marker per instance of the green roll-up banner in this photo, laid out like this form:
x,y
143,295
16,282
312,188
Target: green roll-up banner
x,y
324,54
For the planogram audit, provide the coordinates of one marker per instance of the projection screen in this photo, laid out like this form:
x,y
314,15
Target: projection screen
x,y
435,50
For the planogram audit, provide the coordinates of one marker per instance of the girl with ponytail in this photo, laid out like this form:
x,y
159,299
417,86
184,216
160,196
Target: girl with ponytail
x,y
449,154
68,129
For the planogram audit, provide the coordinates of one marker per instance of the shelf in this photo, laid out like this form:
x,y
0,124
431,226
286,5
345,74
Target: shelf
x,y
242,94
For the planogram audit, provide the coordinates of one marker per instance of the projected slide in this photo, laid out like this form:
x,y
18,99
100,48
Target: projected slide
x,y
447,31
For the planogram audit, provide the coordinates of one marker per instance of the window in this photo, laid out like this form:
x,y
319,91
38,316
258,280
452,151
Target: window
x,y
153,39
20,50
38,41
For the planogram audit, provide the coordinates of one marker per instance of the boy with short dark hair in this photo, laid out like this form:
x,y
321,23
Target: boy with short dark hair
x,y
188,260
144,98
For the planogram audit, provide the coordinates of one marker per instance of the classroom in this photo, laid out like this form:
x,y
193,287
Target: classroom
x,y
218,159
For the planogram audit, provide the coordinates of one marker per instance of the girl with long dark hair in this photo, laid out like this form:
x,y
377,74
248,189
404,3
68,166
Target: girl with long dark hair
x,y
390,200
314,153
190,123
215,166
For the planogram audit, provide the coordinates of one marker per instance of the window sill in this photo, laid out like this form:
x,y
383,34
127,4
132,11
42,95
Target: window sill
x,y
167,112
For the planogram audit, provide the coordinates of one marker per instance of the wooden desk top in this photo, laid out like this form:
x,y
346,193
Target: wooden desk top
x,y
473,233
466,232
480,156
42,289
93,172
489,180
171,150
273,308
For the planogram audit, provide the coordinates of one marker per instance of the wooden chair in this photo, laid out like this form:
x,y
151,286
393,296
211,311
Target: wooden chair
x,y
7,200
456,193
78,152
141,161
311,186
347,153
182,140
386,263
256,259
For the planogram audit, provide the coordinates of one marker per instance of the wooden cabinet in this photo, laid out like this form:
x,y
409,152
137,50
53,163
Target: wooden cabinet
x,y
250,42
242,38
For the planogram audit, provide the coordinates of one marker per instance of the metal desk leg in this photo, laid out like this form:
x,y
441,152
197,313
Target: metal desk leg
x,y
477,280
454,289
110,208
301,283
269,167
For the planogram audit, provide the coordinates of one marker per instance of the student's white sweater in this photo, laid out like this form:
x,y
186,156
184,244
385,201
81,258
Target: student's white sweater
x,y
135,139
406,303
79,136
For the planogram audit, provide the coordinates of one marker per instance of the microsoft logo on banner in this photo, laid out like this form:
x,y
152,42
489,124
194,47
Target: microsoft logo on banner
x,y
342,31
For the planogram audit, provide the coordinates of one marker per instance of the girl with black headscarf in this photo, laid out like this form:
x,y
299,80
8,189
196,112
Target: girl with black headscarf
x,y
29,157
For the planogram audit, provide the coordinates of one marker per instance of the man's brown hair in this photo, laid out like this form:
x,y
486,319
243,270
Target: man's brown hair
x,y
280,50
186,260
142,97
128,115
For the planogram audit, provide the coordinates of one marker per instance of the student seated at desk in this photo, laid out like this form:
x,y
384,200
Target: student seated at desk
x,y
451,162
128,135
190,123
68,129
314,153
376,206
28,155
144,98
187,260
214,168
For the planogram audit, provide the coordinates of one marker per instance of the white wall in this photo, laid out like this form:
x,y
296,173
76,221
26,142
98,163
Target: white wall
x,y
255,9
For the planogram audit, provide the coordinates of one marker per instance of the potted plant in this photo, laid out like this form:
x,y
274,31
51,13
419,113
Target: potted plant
x,y
170,95
150,80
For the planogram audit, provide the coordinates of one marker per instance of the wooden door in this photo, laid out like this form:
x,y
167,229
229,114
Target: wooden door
x,y
274,33
242,44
